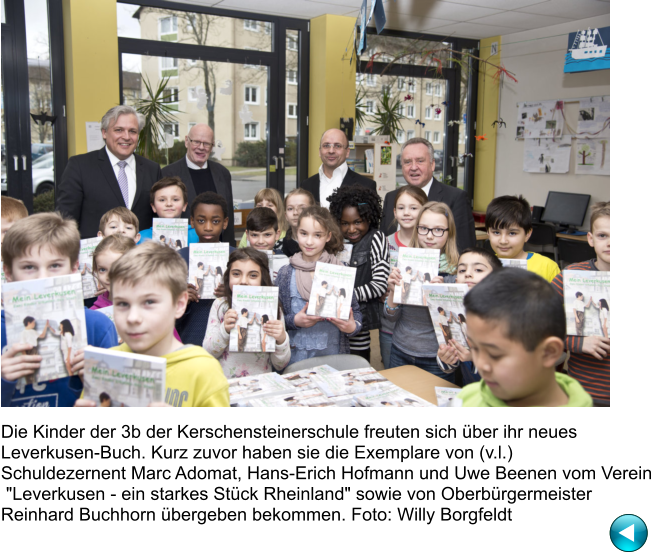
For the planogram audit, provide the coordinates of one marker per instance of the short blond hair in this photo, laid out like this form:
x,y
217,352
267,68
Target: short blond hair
x,y
42,230
13,209
450,249
123,214
598,210
151,261
118,243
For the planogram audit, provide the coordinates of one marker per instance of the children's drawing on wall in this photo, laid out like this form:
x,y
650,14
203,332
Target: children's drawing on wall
x,y
594,116
588,50
593,156
547,155
541,119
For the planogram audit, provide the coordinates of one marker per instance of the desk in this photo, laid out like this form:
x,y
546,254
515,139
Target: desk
x,y
416,381
583,238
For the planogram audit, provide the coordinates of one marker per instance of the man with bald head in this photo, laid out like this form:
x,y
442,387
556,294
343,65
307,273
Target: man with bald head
x,y
200,174
334,171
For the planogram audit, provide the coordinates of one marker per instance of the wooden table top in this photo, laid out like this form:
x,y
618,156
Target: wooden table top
x,y
416,381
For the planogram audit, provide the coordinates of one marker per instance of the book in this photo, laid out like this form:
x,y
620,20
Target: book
x,y
207,266
301,380
350,382
172,232
276,262
393,258
254,305
417,267
391,396
256,387
587,302
345,255
48,314
445,304
117,378
311,398
445,395
514,263
332,291
89,283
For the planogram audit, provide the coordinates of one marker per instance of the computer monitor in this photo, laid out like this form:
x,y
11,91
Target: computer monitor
x,y
566,210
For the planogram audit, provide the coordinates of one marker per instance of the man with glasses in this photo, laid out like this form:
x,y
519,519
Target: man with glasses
x,y
418,169
200,174
334,171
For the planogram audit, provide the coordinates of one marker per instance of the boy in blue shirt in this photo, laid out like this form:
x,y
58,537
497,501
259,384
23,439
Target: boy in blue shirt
x,y
44,246
168,199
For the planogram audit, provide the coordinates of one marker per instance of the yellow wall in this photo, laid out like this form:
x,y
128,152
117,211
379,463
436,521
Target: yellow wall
x,y
487,110
90,40
332,79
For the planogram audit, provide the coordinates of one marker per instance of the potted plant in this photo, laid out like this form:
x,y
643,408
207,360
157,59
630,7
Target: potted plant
x,y
388,119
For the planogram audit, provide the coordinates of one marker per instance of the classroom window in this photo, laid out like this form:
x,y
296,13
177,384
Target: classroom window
x,y
251,131
428,135
437,89
429,88
410,111
428,112
251,25
370,106
168,28
292,111
400,135
292,43
411,134
169,67
251,95
292,77
172,128
437,137
401,83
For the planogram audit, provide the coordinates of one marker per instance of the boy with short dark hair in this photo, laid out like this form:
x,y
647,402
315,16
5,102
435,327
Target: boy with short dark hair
x,y
509,226
119,221
589,360
516,334
168,199
209,217
262,230
43,246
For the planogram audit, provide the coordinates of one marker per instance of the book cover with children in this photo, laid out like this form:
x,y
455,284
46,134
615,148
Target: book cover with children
x,y
172,232
345,255
514,263
391,395
116,378
393,258
587,302
255,305
302,381
256,387
445,304
310,398
49,315
417,267
89,283
207,264
332,291
350,382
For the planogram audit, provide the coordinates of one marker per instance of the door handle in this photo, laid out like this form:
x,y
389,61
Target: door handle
x,y
16,163
275,158
24,162
282,162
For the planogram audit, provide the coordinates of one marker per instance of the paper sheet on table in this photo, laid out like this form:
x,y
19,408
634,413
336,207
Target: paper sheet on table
x,y
547,155
594,114
542,119
592,156
94,140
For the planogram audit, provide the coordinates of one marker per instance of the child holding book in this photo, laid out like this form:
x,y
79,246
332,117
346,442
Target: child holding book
x,y
168,199
149,290
320,240
246,267
295,201
41,246
359,210
475,263
270,198
516,333
119,221
509,226
414,339
209,217
589,360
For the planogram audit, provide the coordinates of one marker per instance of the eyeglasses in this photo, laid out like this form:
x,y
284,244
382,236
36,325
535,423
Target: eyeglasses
x,y
337,147
436,232
197,143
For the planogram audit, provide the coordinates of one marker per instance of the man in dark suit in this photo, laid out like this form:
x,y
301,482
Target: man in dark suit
x,y
199,174
98,181
418,169
334,171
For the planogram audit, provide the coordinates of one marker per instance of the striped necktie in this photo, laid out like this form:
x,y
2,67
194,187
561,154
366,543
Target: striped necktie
x,y
123,182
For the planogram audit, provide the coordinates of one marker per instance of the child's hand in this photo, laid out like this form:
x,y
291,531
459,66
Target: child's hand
x,y
275,329
346,326
193,294
447,354
304,320
85,403
230,319
77,362
16,366
594,345
462,352
394,279
220,291
437,280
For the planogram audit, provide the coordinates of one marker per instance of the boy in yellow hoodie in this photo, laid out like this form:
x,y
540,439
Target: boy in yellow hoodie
x,y
149,292
516,334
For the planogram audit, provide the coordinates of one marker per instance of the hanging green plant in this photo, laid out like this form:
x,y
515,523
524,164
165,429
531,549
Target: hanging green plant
x,y
387,120
157,111
360,115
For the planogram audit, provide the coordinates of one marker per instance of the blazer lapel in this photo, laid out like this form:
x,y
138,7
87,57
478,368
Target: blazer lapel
x,y
108,172
435,191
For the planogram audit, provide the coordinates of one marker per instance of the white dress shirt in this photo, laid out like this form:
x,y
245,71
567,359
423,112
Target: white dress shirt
x,y
427,187
129,169
327,186
193,166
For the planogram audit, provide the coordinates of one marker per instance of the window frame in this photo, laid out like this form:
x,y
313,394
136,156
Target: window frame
x,y
255,87
253,124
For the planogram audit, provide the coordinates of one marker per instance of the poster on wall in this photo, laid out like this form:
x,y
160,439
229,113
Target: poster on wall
x,y
547,155
593,156
594,116
588,50
542,119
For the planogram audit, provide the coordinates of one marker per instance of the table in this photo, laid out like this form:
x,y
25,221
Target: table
x,y
417,381
583,238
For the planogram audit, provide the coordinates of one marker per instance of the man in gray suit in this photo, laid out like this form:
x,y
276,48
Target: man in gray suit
x,y
199,174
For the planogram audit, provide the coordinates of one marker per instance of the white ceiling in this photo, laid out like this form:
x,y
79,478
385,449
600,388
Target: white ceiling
x,y
462,18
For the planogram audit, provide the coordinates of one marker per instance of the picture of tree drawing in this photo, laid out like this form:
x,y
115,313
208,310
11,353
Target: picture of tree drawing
x,y
585,152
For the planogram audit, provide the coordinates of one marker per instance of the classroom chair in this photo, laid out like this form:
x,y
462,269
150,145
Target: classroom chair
x,y
573,251
338,362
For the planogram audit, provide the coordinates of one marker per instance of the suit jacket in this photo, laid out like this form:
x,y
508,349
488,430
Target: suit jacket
x,y
89,188
221,177
454,198
313,184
